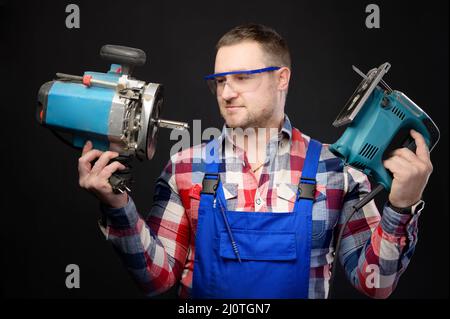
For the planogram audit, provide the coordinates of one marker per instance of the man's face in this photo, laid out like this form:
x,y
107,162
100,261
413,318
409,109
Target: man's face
x,y
261,107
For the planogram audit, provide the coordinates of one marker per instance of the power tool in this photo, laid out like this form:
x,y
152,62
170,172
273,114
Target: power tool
x,y
113,110
378,118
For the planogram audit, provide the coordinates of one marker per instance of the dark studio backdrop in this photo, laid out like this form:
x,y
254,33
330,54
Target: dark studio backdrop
x,y
49,222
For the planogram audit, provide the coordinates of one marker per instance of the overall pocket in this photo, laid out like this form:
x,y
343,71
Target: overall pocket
x,y
269,264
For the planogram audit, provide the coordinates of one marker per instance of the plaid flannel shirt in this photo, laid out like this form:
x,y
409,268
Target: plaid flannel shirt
x,y
159,250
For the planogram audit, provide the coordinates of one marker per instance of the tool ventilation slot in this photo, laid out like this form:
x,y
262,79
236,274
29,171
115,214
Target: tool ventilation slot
x,y
368,151
358,165
398,113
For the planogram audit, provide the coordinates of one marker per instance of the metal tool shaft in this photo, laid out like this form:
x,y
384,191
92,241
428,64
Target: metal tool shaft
x,y
91,81
107,84
172,124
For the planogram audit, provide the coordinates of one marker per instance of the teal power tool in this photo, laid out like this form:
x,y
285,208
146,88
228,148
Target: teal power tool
x,y
113,110
379,120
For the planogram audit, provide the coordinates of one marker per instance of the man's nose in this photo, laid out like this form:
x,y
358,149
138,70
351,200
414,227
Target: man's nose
x,y
228,92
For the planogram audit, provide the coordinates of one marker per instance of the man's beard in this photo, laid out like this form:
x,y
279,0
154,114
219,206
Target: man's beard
x,y
248,121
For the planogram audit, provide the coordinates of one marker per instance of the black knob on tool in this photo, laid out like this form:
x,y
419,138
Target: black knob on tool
x,y
127,57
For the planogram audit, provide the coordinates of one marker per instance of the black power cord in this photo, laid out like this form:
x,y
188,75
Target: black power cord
x,y
356,208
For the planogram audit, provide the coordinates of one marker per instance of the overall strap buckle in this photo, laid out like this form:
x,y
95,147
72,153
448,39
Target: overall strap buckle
x,y
307,188
210,183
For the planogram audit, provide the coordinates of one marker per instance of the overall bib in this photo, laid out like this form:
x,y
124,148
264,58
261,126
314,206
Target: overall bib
x,y
254,254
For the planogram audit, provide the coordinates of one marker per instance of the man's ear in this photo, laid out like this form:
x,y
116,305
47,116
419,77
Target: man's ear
x,y
284,74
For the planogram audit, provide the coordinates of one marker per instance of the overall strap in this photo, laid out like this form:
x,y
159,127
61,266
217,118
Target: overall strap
x,y
307,183
212,161
303,208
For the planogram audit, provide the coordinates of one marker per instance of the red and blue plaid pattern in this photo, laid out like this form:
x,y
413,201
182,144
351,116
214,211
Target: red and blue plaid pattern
x,y
159,250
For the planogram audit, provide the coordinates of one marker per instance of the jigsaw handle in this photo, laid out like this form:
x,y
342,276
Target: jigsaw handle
x,y
409,143
386,176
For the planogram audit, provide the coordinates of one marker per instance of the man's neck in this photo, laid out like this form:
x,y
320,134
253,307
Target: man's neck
x,y
254,142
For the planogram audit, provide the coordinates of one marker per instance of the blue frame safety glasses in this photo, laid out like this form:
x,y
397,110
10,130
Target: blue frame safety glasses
x,y
239,81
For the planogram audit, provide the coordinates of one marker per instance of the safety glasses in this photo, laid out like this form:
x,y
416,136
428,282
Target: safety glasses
x,y
238,81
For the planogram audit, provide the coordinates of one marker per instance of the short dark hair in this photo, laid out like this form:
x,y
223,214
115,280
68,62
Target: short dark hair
x,y
271,42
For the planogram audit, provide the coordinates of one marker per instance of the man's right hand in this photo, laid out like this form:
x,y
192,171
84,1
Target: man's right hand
x,y
95,178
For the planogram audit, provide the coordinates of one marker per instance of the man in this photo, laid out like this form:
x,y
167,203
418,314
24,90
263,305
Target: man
x,y
237,226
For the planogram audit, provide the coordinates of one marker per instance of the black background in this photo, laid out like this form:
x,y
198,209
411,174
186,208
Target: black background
x,y
48,222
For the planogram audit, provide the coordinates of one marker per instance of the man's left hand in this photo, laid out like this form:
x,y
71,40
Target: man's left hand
x,y
411,172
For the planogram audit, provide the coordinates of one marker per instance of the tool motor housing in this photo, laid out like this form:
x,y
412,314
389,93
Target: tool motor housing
x,y
113,110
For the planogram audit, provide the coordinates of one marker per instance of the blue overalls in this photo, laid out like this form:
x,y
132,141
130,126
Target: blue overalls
x,y
273,250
